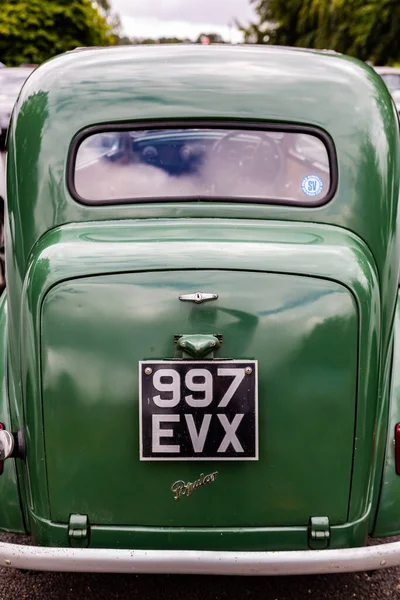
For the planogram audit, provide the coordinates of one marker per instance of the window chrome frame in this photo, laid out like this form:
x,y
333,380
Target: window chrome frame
x,y
246,125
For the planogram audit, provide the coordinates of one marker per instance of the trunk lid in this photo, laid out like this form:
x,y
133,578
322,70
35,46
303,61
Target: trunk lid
x,y
303,331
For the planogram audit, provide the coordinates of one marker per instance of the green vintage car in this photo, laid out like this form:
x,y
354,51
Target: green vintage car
x,y
200,334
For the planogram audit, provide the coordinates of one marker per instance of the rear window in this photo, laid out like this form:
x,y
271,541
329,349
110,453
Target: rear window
x,y
194,163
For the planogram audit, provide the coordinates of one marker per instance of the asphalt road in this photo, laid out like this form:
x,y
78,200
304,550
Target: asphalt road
x,y
17,585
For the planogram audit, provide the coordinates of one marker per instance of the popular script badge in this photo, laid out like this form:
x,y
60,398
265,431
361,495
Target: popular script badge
x,y
180,488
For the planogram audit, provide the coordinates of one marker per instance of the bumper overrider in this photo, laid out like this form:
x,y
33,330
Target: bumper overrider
x,y
200,562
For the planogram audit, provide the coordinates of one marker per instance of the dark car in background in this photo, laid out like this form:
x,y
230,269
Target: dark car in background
x,y
11,81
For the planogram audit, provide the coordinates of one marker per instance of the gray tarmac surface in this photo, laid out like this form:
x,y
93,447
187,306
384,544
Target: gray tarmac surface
x,y
18,585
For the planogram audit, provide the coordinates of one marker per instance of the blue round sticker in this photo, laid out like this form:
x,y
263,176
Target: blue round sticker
x,y
312,185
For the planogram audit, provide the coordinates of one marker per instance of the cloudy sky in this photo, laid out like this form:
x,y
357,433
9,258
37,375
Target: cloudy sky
x,y
182,18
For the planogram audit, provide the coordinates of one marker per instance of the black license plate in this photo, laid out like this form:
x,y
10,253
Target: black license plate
x,y
198,410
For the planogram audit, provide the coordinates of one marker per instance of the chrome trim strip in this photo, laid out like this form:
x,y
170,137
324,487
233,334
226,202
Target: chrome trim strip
x,y
200,562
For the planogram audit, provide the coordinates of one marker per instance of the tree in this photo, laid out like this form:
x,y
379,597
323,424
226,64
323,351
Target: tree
x,y
170,40
161,40
376,30
368,29
288,22
32,31
113,21
103,5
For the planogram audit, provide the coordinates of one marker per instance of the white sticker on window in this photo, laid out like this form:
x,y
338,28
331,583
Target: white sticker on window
x,y
312,185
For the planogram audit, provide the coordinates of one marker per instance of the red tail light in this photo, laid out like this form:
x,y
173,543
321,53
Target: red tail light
x,y
397,447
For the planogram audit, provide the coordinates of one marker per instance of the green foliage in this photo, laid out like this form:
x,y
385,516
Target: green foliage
x,y
32,31
161,40
214,38
112,19
368,29
104,5
170,40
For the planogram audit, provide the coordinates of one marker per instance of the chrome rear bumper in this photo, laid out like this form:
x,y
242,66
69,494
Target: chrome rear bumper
x,y
199,562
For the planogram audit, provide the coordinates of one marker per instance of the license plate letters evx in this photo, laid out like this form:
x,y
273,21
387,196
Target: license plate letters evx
x,y
198,410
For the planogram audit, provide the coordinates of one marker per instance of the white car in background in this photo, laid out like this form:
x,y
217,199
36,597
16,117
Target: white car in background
x,y
11,82
391,76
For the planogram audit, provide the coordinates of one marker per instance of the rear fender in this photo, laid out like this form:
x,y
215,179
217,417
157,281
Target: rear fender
x,y
388,514
11,518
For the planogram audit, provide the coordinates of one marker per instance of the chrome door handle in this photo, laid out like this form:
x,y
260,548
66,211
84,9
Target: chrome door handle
x,y
198,297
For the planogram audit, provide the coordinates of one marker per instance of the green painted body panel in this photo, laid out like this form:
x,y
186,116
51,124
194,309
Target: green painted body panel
x,y
96,330
59,252
11,518
312,256
381,428
205,538
388,517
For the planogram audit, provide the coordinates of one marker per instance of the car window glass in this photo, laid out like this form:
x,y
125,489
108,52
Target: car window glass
x,y
202,162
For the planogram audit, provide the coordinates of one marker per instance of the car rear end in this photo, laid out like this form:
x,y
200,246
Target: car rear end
x,y
198,379
206,316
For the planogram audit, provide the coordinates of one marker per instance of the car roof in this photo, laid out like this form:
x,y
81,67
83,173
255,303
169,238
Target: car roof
x,y
151,85
252,81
